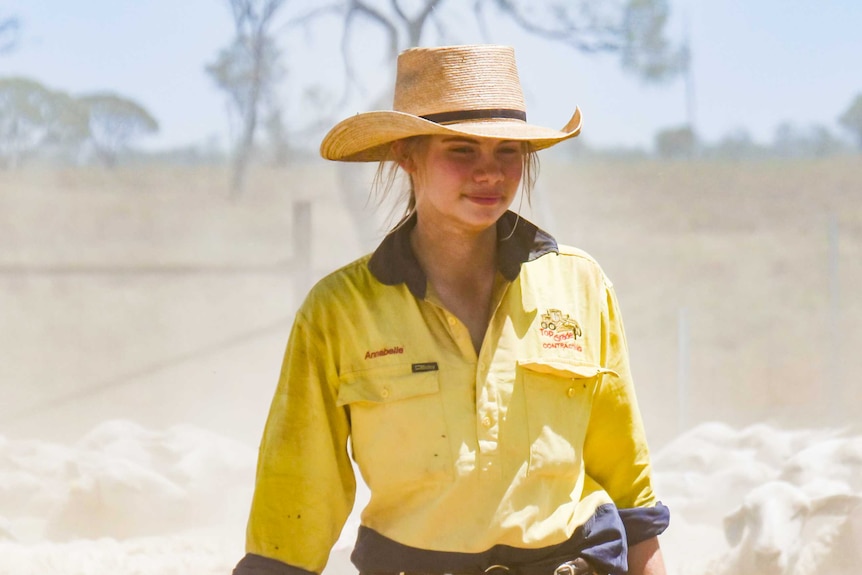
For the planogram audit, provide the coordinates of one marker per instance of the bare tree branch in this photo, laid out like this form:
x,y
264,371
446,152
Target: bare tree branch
x,y
397,7
358,6
248,71
305,19
8,34
429,8
350,76
418,24
635,30
479,14
590,37
440,26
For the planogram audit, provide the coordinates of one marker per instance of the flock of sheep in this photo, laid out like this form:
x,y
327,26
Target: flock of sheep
x,y
125,499
762,501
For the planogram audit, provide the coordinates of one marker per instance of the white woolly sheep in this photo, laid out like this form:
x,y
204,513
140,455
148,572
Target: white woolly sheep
x,y
835,459
111,497
768,533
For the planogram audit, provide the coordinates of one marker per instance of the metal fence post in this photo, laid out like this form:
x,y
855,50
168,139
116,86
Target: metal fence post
x,y
835,405
682,370
301,250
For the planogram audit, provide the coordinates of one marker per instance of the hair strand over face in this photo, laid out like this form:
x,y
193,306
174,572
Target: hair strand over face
x,y
388,170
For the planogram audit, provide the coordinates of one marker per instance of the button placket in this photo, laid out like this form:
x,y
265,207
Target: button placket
x,y
487,416
458,332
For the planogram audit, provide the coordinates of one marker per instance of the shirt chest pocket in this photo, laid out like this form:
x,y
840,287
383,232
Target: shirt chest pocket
x,y
558,396
398,425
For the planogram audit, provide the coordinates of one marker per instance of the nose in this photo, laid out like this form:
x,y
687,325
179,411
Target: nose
x,y
489,169
767,551
767,554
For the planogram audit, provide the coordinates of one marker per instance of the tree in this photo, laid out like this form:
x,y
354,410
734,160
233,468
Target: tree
x,y
248,70
8,34
33,118
633,29
676,143
113,122
736,145
851,119
791,141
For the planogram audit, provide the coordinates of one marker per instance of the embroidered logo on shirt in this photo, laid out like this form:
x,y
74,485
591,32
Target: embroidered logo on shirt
x,y
559,331
384,351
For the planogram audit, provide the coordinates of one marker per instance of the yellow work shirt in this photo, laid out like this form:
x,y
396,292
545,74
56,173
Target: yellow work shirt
x,y
531,445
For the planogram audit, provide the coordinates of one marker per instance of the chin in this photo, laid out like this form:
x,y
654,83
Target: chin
x,y
483,219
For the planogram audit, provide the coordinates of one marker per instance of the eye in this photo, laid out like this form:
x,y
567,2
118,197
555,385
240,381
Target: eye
x,y
461,150
509,152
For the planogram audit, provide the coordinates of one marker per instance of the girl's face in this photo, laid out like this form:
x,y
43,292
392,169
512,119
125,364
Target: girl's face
x,y
464,182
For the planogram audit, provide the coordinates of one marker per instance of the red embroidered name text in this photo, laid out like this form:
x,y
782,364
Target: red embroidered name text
x,y
384,351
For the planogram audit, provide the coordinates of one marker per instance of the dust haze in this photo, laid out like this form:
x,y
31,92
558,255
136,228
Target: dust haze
x,y
144,314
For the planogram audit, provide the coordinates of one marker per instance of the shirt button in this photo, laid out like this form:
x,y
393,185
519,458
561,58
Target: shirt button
x,y
481,366
451,320
571,392
385,392
486,421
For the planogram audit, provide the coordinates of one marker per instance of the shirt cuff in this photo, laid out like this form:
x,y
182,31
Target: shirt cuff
x,y
643,523
253,564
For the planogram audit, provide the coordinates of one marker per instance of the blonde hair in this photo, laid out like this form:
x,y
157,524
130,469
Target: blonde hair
x,y
388,170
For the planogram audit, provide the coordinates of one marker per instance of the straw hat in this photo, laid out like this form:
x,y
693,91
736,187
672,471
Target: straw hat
x,y
451,90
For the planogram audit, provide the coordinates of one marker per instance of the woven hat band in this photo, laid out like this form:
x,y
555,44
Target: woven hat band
x,y
465,115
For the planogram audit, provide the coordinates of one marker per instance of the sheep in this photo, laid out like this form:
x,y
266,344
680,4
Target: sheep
x,y
705,472
768,533
32,476
838,458
112,497
773,446
181,554
837,548
689,546
211,468
696,449
6,530
125,480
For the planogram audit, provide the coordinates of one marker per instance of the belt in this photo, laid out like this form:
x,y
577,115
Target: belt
x,y
577,566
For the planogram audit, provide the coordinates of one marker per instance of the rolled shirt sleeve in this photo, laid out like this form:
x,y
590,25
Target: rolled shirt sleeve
x,y
616,455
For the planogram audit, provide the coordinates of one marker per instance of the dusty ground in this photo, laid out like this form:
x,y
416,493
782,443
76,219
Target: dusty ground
x,y
772,305
146,293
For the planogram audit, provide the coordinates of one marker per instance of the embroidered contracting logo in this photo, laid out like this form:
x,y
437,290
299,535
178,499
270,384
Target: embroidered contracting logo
x,y
384,351
559,331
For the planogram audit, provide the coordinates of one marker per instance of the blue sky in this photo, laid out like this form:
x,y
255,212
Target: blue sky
x,y
757,63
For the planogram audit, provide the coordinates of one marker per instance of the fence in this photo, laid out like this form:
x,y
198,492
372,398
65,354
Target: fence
x,y
298,268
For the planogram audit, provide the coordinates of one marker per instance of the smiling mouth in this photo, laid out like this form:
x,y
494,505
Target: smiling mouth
x,y
485,200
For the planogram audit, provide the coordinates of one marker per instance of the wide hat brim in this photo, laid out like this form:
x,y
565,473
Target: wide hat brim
x,y
366,137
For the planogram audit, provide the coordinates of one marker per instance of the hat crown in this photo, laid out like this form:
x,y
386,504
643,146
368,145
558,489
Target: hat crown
x,y
457,78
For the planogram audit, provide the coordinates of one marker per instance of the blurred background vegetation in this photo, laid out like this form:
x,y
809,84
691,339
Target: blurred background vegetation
x,y
159,283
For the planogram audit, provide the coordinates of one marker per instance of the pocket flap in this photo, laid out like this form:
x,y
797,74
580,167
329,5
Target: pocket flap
x,y
564,368
383,385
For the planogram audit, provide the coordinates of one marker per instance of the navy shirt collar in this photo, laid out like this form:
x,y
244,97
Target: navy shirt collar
x,y
518,241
